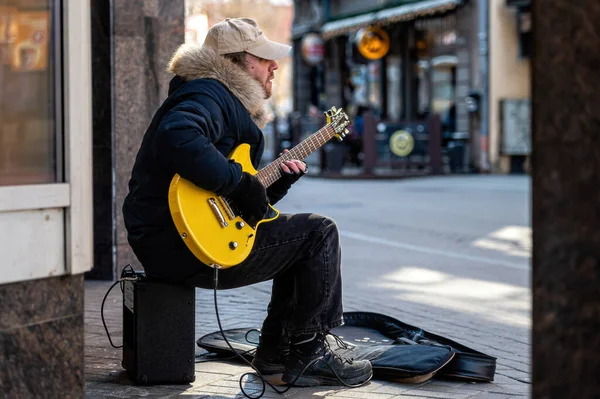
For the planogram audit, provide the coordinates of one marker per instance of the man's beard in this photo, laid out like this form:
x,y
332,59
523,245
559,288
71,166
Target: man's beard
x,y
265,85
268,89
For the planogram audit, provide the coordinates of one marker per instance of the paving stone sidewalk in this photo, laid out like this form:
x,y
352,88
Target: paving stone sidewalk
x,y
447,254
246,307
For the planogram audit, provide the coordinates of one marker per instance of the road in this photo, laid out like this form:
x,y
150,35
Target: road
x,y
458,244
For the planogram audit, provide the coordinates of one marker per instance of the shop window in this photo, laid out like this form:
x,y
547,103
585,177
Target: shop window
x,y
375,91
394,87
443,88
422,80
307,11
359,79
524,32
30,140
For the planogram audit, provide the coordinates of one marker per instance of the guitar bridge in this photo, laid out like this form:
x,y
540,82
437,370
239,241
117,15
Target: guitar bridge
x,y
227,207
218,214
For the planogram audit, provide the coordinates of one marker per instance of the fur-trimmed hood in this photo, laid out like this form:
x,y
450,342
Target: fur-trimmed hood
x,y
195,62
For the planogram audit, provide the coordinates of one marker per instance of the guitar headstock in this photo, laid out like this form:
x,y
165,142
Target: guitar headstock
x,y
338,120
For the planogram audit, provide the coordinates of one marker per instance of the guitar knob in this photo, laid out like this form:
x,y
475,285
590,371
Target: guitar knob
x,y
239,225
233,245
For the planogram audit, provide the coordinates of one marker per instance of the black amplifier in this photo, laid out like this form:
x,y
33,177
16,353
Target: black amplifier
x,y
158,331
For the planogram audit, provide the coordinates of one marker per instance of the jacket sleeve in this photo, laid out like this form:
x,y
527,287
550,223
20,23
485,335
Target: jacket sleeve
x,y
185,145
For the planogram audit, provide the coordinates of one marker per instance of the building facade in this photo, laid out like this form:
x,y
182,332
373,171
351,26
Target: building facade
x,y
428,68
45,194
510,85
79,83
433,66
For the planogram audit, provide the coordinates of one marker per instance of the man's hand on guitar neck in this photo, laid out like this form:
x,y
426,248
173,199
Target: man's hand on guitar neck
x,y
293,166
291,171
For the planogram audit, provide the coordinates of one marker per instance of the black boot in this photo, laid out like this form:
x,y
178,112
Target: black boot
x,y
329,369
270,354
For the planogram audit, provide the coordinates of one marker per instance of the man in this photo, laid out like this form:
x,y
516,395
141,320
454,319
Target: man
x,y
216,102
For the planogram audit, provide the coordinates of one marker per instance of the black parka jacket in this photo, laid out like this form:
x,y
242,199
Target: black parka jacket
x,y
213,106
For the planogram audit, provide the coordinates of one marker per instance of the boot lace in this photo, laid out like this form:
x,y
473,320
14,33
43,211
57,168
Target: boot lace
x,y
341,345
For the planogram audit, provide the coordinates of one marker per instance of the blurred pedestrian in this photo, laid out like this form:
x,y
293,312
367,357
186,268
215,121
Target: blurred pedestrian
x,y
354,140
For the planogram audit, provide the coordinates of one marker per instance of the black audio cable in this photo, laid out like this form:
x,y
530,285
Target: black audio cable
x,y
263,380
127,272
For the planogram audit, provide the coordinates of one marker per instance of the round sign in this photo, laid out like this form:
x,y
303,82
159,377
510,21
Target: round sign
x,y
402,143
312,48
372,42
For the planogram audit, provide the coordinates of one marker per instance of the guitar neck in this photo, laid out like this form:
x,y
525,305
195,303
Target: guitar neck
x,y
272,172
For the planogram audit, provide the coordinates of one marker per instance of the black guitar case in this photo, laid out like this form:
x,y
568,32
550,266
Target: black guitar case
x,y
467,364
397,351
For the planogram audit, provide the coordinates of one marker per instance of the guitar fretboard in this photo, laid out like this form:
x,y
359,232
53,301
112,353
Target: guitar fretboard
x,y
270,173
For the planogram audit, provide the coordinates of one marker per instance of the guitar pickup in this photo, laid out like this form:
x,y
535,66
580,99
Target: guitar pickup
x,y
218,214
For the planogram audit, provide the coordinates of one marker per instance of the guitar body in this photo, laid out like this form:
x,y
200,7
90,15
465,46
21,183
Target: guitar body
x,y
207,225
206,222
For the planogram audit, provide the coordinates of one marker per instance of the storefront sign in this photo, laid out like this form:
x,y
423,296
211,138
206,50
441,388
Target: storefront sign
x,y
313,49
30,51
401,143
8,33
373,43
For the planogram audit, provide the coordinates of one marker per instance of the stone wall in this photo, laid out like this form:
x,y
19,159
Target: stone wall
x,y
566,194
41,338
130,83
146,34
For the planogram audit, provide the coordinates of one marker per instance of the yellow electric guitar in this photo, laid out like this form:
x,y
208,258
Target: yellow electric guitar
x,y
208,224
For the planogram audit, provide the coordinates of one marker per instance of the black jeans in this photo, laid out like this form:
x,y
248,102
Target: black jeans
x,y
301,254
